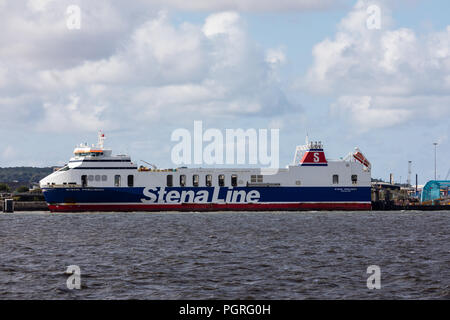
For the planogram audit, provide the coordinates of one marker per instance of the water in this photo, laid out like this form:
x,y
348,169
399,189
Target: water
x,y
282,255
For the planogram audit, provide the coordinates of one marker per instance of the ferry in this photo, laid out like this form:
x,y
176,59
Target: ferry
x,y
96,180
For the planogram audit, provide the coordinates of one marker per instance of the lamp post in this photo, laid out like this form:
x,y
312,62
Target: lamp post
x,y
435,147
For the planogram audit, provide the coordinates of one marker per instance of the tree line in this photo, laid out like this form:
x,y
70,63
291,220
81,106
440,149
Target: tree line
x,y
21,178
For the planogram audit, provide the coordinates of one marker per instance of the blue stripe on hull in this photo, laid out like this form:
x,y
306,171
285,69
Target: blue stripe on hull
x,y
266,194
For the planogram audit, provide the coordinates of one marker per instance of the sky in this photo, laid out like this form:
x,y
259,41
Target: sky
x,y
140,70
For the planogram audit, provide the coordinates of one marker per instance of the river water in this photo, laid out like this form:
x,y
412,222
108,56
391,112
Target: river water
x,y
226,255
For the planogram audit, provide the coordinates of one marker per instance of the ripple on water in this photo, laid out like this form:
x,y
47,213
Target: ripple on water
x,y
280,255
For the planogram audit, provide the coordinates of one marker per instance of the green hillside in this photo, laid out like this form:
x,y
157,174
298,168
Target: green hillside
x,y
23,175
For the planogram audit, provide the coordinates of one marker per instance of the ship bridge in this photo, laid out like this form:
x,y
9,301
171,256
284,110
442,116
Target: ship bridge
x,y
83,150
98,157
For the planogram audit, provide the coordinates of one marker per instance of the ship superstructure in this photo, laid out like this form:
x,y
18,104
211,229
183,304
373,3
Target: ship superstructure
x,y
96,180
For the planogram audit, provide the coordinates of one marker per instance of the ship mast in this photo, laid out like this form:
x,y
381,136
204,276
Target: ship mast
x,y
101,139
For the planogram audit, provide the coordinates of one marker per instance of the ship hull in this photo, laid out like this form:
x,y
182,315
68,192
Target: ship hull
x,y
208,199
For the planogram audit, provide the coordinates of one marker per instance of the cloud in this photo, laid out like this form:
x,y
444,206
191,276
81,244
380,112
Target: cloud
x,y
70,115
276,56
362,111
383,77
157,71
249,5
38,5
35,34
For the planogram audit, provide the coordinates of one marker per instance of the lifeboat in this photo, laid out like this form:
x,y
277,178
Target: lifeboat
x,y
360,158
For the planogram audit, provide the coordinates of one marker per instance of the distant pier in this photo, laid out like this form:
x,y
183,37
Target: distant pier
x,y
27,206
387,197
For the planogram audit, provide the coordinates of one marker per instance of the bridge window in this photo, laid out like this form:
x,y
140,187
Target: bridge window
x,y
335,179
182,180
117,181
170,180
354,179
130,180
221,180
195,180
234,180
208,180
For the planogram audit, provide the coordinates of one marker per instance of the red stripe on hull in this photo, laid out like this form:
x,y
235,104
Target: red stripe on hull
x,y
210,207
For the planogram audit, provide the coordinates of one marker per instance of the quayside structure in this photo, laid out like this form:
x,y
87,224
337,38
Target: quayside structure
x,y
435,190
